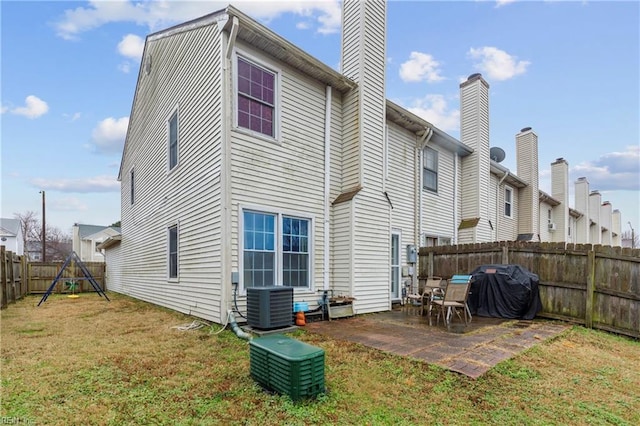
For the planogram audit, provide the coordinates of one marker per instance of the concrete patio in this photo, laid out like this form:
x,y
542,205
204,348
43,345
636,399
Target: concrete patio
x,y
471,350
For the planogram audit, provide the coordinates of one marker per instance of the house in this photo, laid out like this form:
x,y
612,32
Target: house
x,y
86,238
11,235
249,163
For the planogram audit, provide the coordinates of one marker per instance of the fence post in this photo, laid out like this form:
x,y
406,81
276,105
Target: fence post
x,y
505,254
591,288
3,277
430,264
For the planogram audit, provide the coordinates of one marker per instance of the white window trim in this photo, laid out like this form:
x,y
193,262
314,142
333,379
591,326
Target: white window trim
x,y
438,238
508,188
262,62
278,244
175,111
168,254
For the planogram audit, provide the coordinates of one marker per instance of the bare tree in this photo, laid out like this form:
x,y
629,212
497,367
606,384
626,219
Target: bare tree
x,y
30,227
58,244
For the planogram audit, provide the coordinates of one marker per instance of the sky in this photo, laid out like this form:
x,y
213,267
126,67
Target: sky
x,y
568,69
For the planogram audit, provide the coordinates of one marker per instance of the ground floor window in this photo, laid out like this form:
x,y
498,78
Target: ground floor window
x,y
173,251
275,250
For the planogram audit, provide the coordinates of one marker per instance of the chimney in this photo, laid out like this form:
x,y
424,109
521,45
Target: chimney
x,y
364,221
527,170
605,220
595,233
560,191
364,61
581,203
474,132
616,228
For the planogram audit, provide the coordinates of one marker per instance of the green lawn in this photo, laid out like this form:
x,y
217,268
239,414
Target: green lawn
x,y
88,361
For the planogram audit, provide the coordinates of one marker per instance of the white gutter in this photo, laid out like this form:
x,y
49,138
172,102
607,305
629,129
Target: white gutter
x,y
225,173
327,187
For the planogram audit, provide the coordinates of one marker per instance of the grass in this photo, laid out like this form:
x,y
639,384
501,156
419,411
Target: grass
x,y
88,361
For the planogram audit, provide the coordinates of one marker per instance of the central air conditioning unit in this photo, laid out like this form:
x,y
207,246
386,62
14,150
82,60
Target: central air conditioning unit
x,y
552,227
269,307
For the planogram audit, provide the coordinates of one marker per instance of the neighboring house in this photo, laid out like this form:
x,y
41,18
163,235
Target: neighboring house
x,y
34,251
86,239
247,157
11,235
111,249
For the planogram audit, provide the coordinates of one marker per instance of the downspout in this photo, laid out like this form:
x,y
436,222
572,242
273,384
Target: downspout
x,y
327,187
455,197
498,202
420,145
225,173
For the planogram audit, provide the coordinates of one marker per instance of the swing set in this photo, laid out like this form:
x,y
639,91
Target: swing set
x,y
71,283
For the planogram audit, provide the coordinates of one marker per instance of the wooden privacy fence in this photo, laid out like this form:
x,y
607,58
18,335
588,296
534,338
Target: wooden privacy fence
x,y
597,286
12,277
41,275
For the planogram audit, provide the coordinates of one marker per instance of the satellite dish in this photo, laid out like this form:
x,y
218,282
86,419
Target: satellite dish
x,y
496,154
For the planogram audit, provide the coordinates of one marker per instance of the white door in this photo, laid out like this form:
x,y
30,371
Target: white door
x,y
395,265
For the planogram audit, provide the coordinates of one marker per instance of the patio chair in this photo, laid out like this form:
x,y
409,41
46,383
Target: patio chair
x,y
431,289
455,297
424,292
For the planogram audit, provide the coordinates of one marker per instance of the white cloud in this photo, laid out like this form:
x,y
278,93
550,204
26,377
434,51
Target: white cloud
x,y
34,107
72,117
160,14
612,171
109,135
67,204
434,109
497,64
500,3
83,185
420,67
3,109
125,67
131,46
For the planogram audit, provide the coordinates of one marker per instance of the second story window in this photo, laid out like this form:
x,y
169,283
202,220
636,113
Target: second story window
x,y
256,106
173,140
508,202
430,170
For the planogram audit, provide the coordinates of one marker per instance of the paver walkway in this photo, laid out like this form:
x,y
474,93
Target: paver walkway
x,y
470,350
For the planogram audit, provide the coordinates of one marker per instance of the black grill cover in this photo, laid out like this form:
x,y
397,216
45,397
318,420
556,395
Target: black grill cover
x,y
504,291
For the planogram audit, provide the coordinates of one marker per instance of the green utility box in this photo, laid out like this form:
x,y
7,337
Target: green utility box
x,y
287,366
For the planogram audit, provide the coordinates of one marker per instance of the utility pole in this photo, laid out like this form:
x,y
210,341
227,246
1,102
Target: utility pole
x,y
44,230
633,236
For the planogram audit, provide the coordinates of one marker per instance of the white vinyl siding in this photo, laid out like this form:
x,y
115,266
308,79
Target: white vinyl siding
x,y
401,186
186,71
113,271
438,208
290,176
